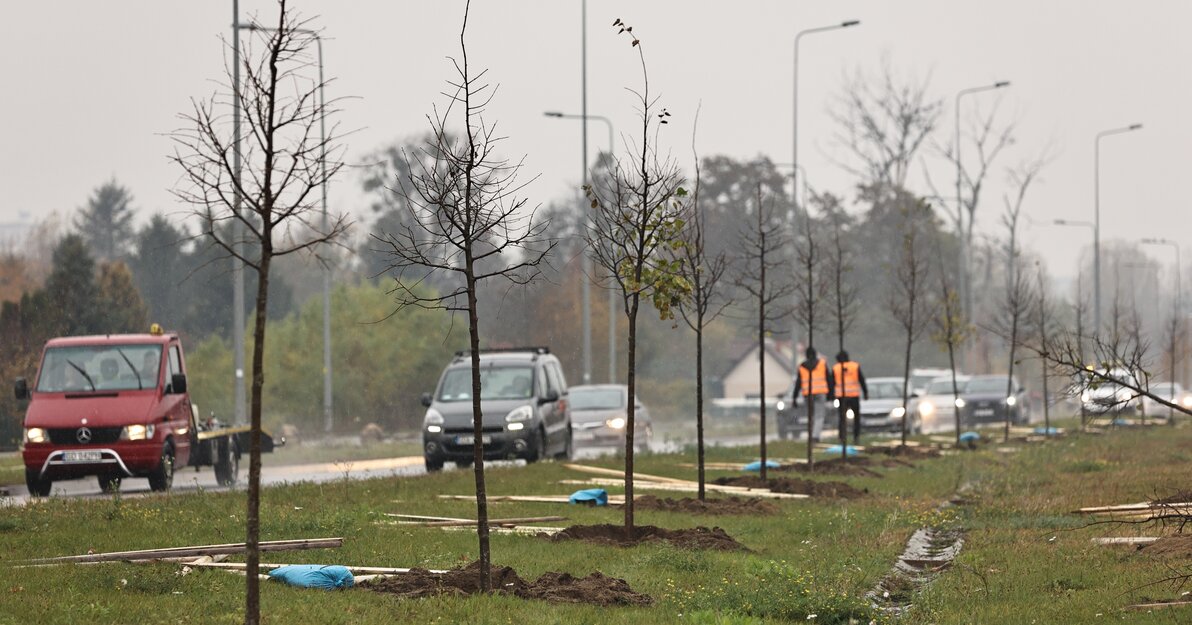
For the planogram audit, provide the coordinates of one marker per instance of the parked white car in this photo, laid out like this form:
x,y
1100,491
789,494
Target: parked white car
x,y
1172,392
937,405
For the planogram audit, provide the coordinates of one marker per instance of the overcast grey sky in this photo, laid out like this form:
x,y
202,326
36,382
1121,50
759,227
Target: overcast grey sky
x,y
91,88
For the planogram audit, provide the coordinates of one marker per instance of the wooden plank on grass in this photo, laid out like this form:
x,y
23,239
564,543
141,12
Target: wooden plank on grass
x,y
612,500
195,551
583,468
425,518
1135,507
1159,605
240,566
1125,540
472,522
743,491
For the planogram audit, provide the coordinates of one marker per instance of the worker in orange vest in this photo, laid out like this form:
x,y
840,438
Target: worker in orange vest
x,y
814,383
850,386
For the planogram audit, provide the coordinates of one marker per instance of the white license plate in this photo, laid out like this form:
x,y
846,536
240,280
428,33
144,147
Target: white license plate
x,y
984,412
471,440
81,456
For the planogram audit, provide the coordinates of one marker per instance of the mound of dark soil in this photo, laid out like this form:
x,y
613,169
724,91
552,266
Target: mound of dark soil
x,y
692,505
555,587
853,467
903,451
1182,496
1170,547
796,486
687,538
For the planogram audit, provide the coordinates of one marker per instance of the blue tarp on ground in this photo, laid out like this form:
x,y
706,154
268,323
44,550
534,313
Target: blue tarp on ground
x,y
598,495
756,465
835,450
969,437
329,577
1047,431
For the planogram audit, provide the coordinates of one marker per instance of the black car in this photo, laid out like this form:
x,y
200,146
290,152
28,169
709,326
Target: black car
x,y
985,400
524,403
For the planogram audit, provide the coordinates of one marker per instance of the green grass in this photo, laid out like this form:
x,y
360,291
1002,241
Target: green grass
x,y
346,452
817,556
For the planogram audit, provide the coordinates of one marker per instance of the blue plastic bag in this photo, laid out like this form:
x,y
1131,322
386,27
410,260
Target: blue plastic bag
x,y
756,465
969,437
329,577
1047,431
835,450
598,495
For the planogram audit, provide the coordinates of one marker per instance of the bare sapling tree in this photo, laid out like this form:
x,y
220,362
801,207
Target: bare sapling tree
x,y
274,206
760,277
467,220
988,138
844,292
910,274
703,272
1044,329
1079,309
635,235
952,328
1173,335
813,283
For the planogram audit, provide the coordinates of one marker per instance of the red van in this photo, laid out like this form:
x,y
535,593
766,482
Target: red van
x,y
111,406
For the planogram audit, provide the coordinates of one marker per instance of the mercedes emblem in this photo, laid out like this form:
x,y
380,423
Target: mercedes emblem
x,y
83,435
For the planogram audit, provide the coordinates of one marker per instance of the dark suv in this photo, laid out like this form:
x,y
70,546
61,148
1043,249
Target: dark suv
x,y
523,399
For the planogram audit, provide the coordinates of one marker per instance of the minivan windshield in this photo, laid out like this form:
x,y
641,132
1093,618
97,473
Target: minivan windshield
x,y
88,368
987,385
596,398
496,382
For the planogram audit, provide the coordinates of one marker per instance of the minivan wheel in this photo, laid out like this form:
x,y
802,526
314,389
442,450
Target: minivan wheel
x,y
568,448
433,464
109,483
162,478
537,450
37,486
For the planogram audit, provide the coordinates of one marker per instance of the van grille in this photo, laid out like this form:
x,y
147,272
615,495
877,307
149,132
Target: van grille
x,y
70,436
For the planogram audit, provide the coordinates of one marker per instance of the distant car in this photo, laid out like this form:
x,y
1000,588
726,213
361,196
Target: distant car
x,y
523,397
598,414
922,376
882,412
937,405
1172,392
985,400
1102,396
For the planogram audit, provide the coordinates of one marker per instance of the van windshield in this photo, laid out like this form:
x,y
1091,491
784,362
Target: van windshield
x,y
88,368
495,383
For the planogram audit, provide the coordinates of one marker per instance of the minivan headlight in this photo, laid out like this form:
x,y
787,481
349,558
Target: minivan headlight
x,y
1011,400
137,432
433,421
781,405
519,414
616,423
36,435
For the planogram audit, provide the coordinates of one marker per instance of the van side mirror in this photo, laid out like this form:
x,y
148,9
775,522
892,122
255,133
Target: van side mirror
x,y
549,397
426,400
21,389
178,383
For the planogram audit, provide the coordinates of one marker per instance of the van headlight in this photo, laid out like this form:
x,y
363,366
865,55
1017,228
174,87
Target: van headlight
x,y
137,432
616,423
926,409
433,421
960,403
1085,396
781,405
1187,401
898,412
36,435
1011,400
520,414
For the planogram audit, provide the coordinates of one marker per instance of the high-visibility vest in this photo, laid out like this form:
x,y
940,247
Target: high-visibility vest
x,y
818,385
848,379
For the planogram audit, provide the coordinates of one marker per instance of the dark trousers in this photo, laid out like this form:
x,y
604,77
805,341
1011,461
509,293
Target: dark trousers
x,y
847,403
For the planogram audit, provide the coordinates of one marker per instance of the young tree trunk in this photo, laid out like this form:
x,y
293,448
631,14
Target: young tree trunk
x,y
252,604
478,433
699,400
1046,402
955,389
906,366
809,399
1010,373
630,414
761,367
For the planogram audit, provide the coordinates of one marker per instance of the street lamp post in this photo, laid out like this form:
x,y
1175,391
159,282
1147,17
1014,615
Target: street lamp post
x,y
612,295
327,386
795,121
1097,218
241,402
1178,310
965,290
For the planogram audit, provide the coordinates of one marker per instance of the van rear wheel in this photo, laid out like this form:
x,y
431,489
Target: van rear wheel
x,y
37,486
227,461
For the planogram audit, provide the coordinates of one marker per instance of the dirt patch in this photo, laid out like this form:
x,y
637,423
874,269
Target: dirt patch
x,y
687,538
1182,496
796,486
853,467
555,587
1170,547
692,505
903,451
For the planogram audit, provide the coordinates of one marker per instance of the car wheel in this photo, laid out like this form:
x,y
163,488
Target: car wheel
x,y
568,447
433,464
227,462
538,449
37,486
162,478
109,483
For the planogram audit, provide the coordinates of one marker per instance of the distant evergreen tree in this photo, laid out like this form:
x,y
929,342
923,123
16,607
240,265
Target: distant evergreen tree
x,y
121,309
69,302
106,221
160,264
